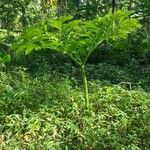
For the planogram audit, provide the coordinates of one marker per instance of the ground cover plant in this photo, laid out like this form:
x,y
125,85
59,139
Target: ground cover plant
x,y
47,112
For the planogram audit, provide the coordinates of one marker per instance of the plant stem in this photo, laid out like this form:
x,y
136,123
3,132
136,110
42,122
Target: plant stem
x,y
85,86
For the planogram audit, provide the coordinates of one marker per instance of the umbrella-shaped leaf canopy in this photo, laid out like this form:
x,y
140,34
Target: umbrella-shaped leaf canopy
x,y
77,38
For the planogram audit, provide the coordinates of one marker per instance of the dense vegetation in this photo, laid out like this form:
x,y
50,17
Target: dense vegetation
x,y
74,75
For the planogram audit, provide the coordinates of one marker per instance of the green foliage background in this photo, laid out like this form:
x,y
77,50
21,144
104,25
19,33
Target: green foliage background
x,y
41,94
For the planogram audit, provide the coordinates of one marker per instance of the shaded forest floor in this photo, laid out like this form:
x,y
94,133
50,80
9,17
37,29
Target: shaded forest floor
x,y
42,107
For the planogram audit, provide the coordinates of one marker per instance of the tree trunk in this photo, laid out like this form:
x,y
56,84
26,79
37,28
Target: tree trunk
x,y
61,4
113,6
